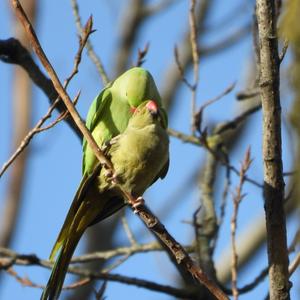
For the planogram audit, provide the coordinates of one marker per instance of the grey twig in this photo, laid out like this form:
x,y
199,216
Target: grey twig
x,y
57,84
38,127
93,56
12,51
128,231
195,56
237,198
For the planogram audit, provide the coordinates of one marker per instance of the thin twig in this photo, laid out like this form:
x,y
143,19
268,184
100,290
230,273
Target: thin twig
x,y
115,264
85,33
181,69
184,137
222,207
214,138
93,56
25,281
77,284
12,51
295,241
11,256
294,264
57,84
249,286
61,117
27,139
38,127
128,231
236,202
195,56
142,54
232,124
244,95
198,116
100,293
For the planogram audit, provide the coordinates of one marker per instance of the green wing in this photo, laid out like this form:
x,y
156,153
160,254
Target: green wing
x,y
95,113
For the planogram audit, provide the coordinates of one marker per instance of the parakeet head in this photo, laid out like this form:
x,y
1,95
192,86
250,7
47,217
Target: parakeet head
x,y
136,86
147,113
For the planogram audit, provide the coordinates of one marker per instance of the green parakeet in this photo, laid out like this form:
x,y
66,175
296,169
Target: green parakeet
x,y
110,111
139,156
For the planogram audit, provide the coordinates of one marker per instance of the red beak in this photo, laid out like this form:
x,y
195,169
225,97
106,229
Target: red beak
x,y
152,107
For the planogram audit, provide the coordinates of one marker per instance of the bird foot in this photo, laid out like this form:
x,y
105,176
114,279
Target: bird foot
x,y
104,147
136,203
114,140
110,176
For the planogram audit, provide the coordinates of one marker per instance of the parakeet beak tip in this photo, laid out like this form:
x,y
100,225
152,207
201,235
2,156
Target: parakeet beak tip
x,y
152,107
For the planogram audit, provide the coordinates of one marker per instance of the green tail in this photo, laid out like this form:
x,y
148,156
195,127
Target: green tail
x,y
58,274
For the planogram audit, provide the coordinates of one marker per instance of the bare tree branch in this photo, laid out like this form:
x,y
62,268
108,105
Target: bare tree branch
x,y
272,155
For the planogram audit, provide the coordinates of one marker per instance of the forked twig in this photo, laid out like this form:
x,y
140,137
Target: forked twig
x,y
238,197
38,127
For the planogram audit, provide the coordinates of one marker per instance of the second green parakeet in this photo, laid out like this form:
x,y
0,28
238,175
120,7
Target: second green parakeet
x,y
140,156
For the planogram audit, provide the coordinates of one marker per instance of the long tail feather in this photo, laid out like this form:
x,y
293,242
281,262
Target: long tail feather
x,y
56,280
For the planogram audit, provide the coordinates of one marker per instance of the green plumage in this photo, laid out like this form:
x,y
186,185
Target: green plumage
x,y
111,110
137,144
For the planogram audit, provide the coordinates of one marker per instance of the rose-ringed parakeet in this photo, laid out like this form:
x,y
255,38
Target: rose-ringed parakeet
x,y
139,156
107,117
110,111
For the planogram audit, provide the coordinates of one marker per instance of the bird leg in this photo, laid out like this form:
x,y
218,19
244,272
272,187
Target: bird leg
x,y
110,175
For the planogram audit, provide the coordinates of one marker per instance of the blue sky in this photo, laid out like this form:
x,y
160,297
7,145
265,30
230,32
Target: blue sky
x,y
54,167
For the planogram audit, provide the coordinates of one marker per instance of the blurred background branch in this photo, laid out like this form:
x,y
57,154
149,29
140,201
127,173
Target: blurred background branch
x,y
22,110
